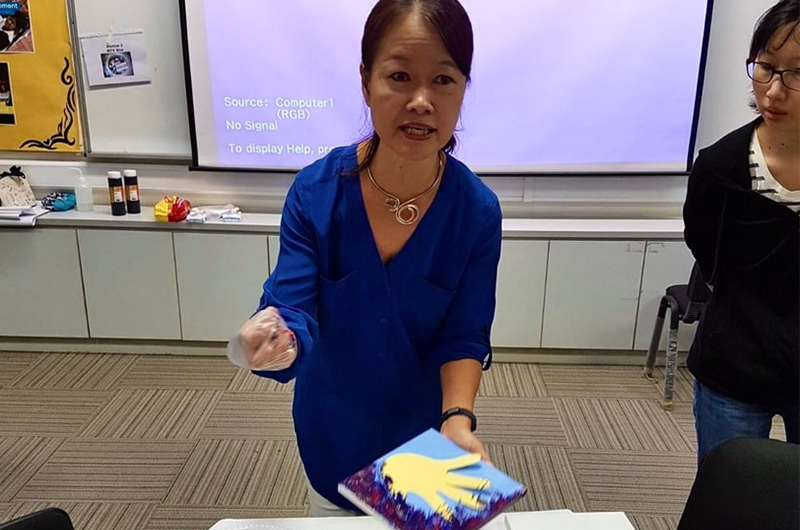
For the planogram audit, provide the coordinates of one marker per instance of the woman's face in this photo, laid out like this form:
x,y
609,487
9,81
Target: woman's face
x,y
778,105
9,24
414,90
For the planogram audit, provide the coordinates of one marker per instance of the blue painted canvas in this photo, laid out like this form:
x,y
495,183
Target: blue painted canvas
x,y
430,483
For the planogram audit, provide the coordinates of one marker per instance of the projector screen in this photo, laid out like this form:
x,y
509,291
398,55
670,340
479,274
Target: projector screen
x,y
558,86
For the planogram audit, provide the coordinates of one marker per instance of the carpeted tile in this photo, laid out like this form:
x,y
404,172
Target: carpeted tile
x,y
641,522
246,381
290,488
35,412
684,418
597,381
145,414
263,416
519,421
200,518
682,387
166,442
622,424
232,473
635,483
95,516
77,371
180,372
13,364
545,471
108,471
512,380
20,459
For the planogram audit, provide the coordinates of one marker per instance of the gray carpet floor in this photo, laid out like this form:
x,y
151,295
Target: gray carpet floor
x,y
127,442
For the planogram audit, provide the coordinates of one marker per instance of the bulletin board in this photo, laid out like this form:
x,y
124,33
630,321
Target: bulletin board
x,y
38,91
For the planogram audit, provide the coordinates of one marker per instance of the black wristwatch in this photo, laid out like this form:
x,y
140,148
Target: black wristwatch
x,y
459,411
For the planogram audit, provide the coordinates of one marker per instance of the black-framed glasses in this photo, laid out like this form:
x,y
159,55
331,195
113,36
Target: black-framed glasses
x,y
761,72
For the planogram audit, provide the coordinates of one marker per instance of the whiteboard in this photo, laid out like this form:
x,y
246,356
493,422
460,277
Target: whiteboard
x,y
148,120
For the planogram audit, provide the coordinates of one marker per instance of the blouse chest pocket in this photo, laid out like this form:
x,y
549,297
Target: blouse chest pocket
x,y
423,306
340,304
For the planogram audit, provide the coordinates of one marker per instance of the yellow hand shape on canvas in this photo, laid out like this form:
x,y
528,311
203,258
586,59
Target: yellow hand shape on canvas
x,y
432,479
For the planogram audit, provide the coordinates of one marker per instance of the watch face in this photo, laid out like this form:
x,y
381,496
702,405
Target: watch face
x,y
117,64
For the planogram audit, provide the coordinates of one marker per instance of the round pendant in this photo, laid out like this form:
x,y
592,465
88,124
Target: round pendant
x,y
392,204
407,214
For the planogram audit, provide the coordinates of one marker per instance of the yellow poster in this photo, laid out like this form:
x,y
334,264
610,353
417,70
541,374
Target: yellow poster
x,y
38,90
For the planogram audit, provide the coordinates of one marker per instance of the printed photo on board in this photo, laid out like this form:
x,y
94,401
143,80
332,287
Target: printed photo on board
x,y
16,34
117,64
7,116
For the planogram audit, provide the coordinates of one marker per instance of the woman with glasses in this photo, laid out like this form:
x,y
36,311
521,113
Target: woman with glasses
x,y
741,218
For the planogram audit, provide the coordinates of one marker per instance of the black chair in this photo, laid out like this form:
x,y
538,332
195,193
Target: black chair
x,y
49,519
746,484
686,303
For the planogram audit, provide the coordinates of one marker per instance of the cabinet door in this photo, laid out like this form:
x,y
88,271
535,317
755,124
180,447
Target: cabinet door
x,y
592,294
520,294
129,277
219,281
274,250
665,264
41,293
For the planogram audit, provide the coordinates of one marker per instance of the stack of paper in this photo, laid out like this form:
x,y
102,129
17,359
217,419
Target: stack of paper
x,y
21,215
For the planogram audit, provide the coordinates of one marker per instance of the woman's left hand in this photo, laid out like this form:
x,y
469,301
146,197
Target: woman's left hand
x,y
457,428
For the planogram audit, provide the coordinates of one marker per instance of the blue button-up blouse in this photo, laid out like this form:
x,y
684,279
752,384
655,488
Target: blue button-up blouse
x,y
372,337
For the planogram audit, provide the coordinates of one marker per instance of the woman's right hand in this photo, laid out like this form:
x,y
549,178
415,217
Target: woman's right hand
x,y
264,343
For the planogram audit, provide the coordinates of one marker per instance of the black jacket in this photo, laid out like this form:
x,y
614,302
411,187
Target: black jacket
x,y
748,247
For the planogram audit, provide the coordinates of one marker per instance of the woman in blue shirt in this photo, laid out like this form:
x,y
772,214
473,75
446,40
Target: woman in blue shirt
x,y
384,293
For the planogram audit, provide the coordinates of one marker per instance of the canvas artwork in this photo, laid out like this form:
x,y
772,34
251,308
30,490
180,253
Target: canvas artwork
x,y
430,483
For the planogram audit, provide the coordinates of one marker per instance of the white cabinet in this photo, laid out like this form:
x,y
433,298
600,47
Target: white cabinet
x,y
129,279
41,293
520,294
274,250
155,284
592,294
219,281
665,264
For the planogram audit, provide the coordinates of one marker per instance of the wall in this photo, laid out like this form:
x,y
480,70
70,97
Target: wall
x,y
726,91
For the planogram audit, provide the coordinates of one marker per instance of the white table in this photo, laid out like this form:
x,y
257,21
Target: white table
x,y
550,520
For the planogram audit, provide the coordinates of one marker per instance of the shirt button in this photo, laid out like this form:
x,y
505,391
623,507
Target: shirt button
x,y
383,321
380,353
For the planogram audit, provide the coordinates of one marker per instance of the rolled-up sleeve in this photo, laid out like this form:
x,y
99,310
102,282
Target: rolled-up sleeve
x,y
465,332
292,286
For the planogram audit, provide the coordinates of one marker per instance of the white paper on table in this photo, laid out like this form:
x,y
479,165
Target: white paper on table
x,y
546,520
549,519
116,58
603,521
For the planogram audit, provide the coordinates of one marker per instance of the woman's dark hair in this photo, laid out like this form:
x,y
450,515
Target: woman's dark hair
x,y
449,19
785,12
21,22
